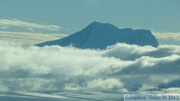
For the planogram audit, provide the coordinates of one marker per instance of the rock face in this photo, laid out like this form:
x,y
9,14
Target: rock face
x,y
100,35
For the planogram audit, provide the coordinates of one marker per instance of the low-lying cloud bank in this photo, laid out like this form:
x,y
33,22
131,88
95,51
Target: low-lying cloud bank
x,y
170,35
121,68
169,38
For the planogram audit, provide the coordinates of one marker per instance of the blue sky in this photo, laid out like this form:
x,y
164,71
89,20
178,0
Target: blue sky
x,y
73,15
159,15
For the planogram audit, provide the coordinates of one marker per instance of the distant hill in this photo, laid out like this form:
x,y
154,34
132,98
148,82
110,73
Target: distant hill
x,y
100,35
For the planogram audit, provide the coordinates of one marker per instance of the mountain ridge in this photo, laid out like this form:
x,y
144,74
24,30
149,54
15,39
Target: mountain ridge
x,y
100,35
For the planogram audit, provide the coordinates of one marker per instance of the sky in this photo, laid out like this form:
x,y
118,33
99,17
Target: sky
x,y
161,15
70,16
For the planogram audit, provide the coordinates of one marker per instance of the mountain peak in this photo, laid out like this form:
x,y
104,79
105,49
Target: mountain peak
x,y
100,35
95,23
100,27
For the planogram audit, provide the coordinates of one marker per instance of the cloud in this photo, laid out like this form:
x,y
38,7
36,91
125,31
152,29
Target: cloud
x,y
28,37
169,38
175,36
4,23
93,74
170,35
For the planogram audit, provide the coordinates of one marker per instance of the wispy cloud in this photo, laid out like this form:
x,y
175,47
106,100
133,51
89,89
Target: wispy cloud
x,y
169,35
29,38
4,23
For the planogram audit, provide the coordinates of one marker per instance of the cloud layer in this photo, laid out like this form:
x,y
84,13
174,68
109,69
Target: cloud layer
x,y
4,23
121,68
28,37
174,36
168,37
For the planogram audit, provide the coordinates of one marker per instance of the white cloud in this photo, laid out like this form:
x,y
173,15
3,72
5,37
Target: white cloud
x,y
175,90
4,23
170,35
118,69
109,83
28,37
41,95
125,51
3,88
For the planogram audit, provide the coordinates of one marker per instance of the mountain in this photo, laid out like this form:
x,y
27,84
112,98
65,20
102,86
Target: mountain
x,y
100,35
